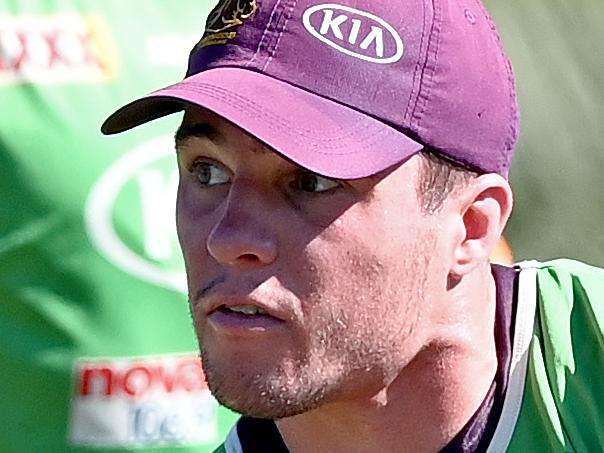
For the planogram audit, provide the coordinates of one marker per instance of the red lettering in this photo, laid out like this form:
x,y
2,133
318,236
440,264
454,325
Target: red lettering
x,y
9,58
24,54
190,376
51,38
102,376
17,49
141,378
166,378
137,381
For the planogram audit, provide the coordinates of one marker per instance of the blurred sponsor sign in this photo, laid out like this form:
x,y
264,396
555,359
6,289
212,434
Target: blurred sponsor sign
x,y
142,402
56,49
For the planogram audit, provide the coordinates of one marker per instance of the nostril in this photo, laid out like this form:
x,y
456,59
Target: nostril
x,y
249,257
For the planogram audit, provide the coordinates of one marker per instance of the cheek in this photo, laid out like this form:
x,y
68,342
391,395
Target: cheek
x,y
193,224
367,274
338,266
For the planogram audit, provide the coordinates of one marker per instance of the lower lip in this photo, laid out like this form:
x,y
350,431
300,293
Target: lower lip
x,y
232,322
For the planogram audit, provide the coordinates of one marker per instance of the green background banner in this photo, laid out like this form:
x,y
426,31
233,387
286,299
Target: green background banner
x,y
96,344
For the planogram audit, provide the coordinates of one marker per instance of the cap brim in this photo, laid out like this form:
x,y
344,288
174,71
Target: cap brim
x,y
321,135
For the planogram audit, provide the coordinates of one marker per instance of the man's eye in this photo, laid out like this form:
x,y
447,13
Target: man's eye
x,y
209,174
311,182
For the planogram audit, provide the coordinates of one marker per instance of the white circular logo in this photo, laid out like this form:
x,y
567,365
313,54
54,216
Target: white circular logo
x,y
354,32
141,193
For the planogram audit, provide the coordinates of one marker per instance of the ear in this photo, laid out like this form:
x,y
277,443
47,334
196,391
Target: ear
x,y
484,208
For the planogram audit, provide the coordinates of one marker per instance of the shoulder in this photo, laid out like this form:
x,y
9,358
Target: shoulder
x,y
573,277
565,287
570,302
569,318
563,404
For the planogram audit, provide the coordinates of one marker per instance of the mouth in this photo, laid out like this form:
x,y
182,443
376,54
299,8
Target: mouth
x,y
241,316
247,310
243,305
243,320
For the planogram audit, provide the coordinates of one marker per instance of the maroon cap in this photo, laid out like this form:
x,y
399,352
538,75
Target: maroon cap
x,y
351,88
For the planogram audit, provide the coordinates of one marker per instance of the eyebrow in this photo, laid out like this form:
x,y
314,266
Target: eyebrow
x,y
199,130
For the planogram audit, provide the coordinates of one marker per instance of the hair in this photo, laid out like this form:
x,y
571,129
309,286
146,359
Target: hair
x,y
438,178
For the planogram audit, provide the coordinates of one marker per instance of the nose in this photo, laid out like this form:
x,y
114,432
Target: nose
x,y
242,237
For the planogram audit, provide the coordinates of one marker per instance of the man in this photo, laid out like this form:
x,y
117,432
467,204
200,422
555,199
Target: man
x,y
343,180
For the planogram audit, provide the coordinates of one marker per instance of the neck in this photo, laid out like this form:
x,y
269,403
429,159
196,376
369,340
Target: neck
x,y
430,400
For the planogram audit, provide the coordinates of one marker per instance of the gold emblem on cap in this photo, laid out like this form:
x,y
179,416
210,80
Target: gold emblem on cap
x,y
226,15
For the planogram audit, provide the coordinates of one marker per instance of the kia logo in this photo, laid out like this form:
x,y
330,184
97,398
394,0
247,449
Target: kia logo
x,y
157,258
353,32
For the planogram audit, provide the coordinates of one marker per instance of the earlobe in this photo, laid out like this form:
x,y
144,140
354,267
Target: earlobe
x,y
485,207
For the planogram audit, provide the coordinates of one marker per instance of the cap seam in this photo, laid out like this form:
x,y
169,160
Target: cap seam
x,y
241,102
289,12
418,71
264,34
298,140
427,73
385,121
211,90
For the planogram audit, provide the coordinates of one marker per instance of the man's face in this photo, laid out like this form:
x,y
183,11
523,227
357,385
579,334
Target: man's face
x,y
342,272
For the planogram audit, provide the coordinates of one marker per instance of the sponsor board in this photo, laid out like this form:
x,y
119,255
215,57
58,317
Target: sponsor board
x,y
149,176
142,402
56,49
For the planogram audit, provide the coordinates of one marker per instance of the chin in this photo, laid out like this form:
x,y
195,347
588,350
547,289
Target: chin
x,y
259,403
262,390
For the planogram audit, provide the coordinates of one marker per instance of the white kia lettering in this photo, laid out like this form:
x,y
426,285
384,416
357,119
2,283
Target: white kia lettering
x,y
334,24
373,39
354,31
376,35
